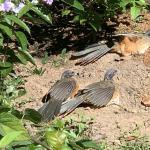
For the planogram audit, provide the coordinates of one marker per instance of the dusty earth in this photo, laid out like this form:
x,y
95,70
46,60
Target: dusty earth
x,y
111,122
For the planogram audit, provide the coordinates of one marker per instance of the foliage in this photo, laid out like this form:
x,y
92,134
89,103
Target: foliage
x,y
10,89
138,144
61,60
13,33
59,135
136,6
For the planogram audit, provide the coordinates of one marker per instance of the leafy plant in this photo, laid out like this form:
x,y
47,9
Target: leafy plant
x,y
140,143
39,71
13,30
10,89
136,6
57,62
66,135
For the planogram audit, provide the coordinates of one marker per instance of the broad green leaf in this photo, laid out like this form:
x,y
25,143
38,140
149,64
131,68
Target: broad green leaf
x,y
25,9
25,55
74,3
65,147
95,25
18,21
6,29
5,71
32,115
4,108
8,138
55,139
65,12
21,57
143,2
9,123
124,3
86,144
21,37
75,146
47,18
1,39
76,18
135,11
5,64
5,68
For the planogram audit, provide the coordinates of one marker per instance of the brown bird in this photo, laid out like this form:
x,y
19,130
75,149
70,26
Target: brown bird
x,y
128,44
98,94
63,89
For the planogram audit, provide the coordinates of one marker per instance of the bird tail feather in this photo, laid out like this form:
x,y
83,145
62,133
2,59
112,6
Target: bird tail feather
x,y
49,110
70,105
95,55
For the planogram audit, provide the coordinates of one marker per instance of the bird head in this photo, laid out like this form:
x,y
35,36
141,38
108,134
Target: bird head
x,y
67,74
110,74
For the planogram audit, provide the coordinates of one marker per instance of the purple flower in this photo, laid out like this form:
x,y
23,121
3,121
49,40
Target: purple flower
x,y
49,2
18,8
6,6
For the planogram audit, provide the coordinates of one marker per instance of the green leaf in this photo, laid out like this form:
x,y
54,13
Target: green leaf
x,y
65,12
45,58
8,138
5,68
95,25
32,115
25,56
75,146
86,144
21,57
55,139
25,9
135,11
141,2
21,37
74,3
6,29
9,123
5,64
18,21
47,18
1,39
124,3
76,18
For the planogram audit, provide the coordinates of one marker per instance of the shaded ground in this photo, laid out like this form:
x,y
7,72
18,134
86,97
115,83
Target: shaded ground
x,y
133,80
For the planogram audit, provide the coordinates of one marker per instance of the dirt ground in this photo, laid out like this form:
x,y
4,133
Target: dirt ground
x,y
132,79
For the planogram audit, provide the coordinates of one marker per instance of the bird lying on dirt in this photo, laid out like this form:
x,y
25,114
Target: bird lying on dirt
x,y
98,94
63,89
128,44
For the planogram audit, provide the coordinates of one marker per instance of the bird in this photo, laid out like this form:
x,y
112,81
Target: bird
x,y
123,44
63,89
99,94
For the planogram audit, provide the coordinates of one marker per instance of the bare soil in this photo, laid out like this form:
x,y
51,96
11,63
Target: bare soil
x,y
132,79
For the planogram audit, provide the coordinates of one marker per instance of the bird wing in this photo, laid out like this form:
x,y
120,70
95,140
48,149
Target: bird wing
x,y
94,55
61,91
70,105
99,94
88,49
